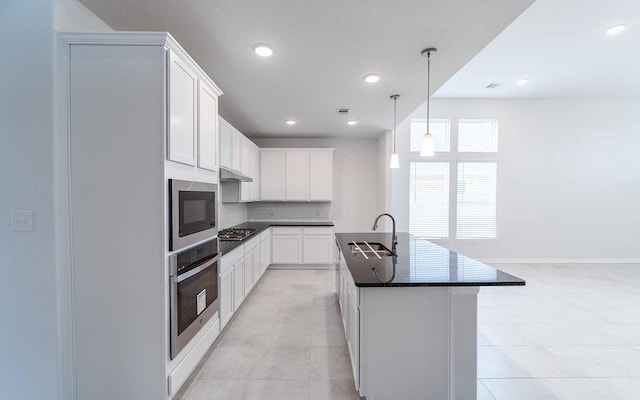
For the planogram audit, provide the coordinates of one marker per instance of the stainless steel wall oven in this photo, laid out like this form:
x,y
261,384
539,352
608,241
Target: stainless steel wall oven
x,y
194,291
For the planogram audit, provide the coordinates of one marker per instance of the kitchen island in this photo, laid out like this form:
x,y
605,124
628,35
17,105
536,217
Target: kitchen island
x,y
411,319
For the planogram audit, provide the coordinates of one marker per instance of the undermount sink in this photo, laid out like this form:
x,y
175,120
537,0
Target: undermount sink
x,y
370,250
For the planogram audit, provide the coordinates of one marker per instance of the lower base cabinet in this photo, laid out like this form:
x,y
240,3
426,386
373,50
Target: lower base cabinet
x,y
310,245
240,270
226,296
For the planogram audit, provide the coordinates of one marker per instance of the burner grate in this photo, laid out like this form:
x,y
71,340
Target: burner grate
x,y
235,233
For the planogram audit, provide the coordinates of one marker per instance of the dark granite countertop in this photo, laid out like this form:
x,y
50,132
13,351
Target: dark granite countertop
x,y
227,246
419,263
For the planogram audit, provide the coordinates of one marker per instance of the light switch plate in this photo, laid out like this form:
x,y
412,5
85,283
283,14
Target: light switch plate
x,y
21,221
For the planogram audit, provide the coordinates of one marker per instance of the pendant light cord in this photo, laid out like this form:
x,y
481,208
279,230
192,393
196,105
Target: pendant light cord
x,y
428,82
395,99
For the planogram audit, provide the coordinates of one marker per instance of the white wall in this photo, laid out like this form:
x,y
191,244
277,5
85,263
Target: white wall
x,y
32,348
568,178
355,177
28,331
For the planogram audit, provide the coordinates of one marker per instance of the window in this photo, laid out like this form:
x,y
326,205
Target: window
x,y
479,135
476,197
429,199
464,174
439,128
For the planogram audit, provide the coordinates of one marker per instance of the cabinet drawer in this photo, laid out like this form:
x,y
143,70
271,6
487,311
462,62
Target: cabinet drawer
x,y
287,230
317,230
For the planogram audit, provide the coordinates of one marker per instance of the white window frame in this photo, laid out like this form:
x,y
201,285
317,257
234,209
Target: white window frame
x,y
453,157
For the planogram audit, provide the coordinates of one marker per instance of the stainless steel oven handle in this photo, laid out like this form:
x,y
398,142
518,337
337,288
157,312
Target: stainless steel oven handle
x,y
187,275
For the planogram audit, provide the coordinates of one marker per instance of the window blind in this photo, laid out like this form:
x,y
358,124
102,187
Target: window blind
x,y
476,198
429,199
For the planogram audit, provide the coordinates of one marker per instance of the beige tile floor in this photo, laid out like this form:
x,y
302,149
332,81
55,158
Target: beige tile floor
x,y
572,333
285,343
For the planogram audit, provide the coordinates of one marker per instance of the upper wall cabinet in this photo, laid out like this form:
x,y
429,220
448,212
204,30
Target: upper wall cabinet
x,y
207,127
183,98
231,147
193,114
296,174
239,154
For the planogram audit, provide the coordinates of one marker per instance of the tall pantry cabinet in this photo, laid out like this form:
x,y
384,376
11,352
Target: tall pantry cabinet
x,y
132,107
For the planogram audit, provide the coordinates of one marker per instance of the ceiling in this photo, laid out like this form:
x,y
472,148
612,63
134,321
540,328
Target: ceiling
x,y
561,47
322,51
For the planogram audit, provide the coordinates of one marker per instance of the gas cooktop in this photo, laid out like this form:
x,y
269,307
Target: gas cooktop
x,y
235,234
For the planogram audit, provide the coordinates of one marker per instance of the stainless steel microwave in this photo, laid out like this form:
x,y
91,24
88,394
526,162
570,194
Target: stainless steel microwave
x,y
193,212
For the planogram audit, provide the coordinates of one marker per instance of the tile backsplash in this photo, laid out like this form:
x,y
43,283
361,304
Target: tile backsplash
x,y
265,211
232,214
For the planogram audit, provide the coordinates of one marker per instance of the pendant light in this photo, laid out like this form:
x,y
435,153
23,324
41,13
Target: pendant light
x,y
427,149
395,162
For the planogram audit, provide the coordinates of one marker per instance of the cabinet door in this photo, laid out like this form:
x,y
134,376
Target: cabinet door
x,y
320,175
238,284
182,111
317,249
297,175
255,174
257,264
263,254
226,297
225,145
248,273
272,164
236,152
207,127
354,340
287,249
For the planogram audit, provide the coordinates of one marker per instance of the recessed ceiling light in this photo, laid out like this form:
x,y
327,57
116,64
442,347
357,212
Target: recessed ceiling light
x,y
290,122
371,78
352,123
522,82
616,29
263,49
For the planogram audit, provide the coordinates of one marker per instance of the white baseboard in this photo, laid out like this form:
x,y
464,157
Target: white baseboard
x,y
561,261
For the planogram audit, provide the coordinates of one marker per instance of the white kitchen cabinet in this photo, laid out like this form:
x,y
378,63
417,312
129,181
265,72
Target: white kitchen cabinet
x,y
286,245
320,175
297,175
302,245
230,146
207,127
238,283
317,249
225,289
136,92
256,254
183,98
248,273
236,151
255,173
250,191
245,157
272,178
225,133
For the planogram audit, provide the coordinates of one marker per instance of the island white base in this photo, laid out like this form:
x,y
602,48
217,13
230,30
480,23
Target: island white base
x,y
416,343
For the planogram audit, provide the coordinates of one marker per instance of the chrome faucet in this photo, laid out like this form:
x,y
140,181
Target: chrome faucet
x,y
394,241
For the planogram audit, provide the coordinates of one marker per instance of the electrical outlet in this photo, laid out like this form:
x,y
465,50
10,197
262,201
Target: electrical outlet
x,y
271,213
317,213
21,221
